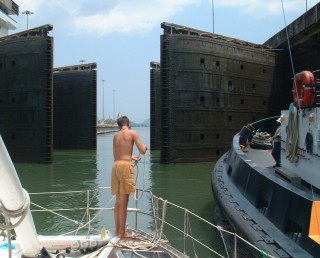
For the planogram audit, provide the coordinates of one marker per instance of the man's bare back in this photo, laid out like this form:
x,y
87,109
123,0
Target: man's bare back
x,y
123,144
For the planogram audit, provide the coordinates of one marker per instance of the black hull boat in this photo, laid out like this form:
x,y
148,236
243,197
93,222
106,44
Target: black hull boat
x,y
276,207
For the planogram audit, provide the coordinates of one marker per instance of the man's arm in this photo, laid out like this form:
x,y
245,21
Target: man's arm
x,y
141,147
114,148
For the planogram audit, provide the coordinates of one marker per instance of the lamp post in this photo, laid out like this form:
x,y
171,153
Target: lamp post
x,y
114,105
26,12
103,99
213,16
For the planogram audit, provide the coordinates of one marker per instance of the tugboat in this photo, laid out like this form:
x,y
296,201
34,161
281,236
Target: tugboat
x,y
275,206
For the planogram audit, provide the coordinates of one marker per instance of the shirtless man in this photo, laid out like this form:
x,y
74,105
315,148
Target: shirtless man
x,y
123,181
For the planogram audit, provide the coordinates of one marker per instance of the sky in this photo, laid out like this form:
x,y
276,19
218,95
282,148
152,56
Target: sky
x,y
123,37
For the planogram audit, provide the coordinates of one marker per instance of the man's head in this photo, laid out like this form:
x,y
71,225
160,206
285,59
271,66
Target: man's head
x,y
123,121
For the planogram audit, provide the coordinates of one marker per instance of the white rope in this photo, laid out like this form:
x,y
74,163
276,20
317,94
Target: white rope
x,y
81,225
84,225
136,196
88,210
292,136
187,227
22,212
223,240
9,214
145,243
290,54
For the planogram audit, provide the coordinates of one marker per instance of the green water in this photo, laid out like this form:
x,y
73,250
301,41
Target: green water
x,y
187,185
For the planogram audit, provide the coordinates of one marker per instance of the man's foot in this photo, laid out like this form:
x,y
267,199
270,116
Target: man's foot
x,y
125,235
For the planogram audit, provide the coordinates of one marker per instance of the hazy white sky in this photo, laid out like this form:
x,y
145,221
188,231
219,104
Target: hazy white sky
x,y
123,36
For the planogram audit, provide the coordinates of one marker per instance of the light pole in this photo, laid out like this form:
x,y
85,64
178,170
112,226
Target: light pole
x,y
213,16
103,99
26,12
114,105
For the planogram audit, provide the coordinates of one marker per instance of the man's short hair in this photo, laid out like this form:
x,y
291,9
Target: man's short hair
x,y
123,121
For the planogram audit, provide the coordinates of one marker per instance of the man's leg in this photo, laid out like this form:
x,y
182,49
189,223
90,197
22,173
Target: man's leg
x,y
277,153
116,216
120,215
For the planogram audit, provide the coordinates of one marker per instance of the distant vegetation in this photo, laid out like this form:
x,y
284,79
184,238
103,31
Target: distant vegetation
x,y
110,121
145,123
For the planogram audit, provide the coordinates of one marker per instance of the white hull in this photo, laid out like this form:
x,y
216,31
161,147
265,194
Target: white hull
x,y
58,244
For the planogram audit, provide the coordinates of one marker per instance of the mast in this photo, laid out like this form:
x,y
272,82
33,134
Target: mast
x,y
14,199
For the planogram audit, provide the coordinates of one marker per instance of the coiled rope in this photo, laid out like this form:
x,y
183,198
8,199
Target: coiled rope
x,y
8,215
262,140
292,136
146,244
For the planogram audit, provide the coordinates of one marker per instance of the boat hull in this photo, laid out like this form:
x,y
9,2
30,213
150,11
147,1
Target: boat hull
x,y
269,211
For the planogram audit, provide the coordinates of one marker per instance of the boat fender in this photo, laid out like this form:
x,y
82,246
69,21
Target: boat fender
x,y
88,250
303,93
103,233
84,251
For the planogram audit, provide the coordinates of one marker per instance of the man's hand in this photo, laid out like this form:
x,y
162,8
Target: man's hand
x,y
136,158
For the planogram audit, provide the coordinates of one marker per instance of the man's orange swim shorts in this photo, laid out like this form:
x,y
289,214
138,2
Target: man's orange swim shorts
x,y
122,180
